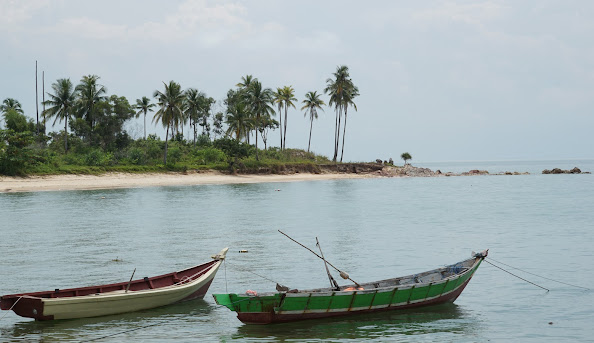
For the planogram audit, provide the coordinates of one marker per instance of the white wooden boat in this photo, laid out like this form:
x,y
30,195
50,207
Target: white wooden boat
x,y
129,296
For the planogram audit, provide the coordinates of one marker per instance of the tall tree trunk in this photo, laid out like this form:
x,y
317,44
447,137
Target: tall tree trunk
x,y
165,156
310,127
285,137
145,125
66,135
335,133
36,99
343,132
280,125
257,127
195,133
43,98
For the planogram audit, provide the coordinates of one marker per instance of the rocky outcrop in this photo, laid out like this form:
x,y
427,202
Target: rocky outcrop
x,y
575,170
476,172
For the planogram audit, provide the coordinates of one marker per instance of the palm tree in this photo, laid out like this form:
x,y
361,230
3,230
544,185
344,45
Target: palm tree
x,y
406,156
259,101
11,104
246,81
89,94
349,95
192,108
61,105
288,96
238,120
170,111
312,103
278,100
337,89
144,106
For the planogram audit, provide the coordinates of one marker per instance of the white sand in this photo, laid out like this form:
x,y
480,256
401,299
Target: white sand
x,y
125,180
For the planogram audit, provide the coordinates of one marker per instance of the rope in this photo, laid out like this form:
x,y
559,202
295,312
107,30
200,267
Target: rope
x,y
121,332
249,271
11,307
516,276
568,284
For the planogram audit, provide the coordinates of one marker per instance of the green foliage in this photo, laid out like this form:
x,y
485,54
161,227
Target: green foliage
x,y
15,152
203,141
98,158
137,156
406,156
17,121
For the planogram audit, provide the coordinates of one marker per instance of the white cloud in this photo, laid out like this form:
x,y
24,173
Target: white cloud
x,y
16,12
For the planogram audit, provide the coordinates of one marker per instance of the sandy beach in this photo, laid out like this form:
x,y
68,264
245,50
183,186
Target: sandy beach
x,y
126,180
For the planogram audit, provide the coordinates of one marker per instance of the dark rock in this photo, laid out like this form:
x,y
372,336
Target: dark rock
x,y
575,170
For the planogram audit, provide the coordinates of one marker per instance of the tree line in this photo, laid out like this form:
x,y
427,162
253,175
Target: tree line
x,y
94,119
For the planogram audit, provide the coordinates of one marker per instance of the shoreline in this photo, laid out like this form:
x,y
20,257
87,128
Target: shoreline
x,y
10,184
117,180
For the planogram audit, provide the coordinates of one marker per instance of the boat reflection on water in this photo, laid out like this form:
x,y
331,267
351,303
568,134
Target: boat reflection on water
x,y
85,329
442,320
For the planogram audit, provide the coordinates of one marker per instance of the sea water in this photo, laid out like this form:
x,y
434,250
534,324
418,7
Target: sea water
x,y
371,228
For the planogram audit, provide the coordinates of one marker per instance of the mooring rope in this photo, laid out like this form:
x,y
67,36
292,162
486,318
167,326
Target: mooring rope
x,y
121,332
516,276
11,307
540,276
249,271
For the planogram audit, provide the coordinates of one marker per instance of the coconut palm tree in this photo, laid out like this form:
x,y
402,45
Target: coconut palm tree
x,y
89,94
311,104
260,101
11,104
337,89
238,120
192,108
288,96
246,81
144,106
170,112
278,100
349,94
61,105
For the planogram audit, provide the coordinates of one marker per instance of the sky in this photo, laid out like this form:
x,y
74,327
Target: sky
x,y
441,80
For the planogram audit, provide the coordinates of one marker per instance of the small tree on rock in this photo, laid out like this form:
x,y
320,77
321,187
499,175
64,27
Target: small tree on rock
x,y
406,156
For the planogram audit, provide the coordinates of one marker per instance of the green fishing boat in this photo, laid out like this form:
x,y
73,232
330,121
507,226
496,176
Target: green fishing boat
x,y
432,287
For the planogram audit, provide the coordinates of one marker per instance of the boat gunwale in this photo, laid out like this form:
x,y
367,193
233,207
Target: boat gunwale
x,y
321,292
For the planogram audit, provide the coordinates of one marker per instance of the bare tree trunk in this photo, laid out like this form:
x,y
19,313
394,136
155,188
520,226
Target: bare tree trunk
x,y
285,137
280,125
36,99
66,135
310,127
165,156
343,132
335,132
145,126
43,97
257,123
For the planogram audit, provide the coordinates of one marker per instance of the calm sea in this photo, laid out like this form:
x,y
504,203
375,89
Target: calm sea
x,y
371,228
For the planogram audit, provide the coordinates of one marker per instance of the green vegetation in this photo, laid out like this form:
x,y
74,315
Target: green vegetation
x,y
406,156
93,139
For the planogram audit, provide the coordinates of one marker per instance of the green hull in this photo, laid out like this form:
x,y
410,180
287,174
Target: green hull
x,y
428,288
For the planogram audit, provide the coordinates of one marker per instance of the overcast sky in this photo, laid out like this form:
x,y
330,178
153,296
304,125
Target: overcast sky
x,y
442,80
